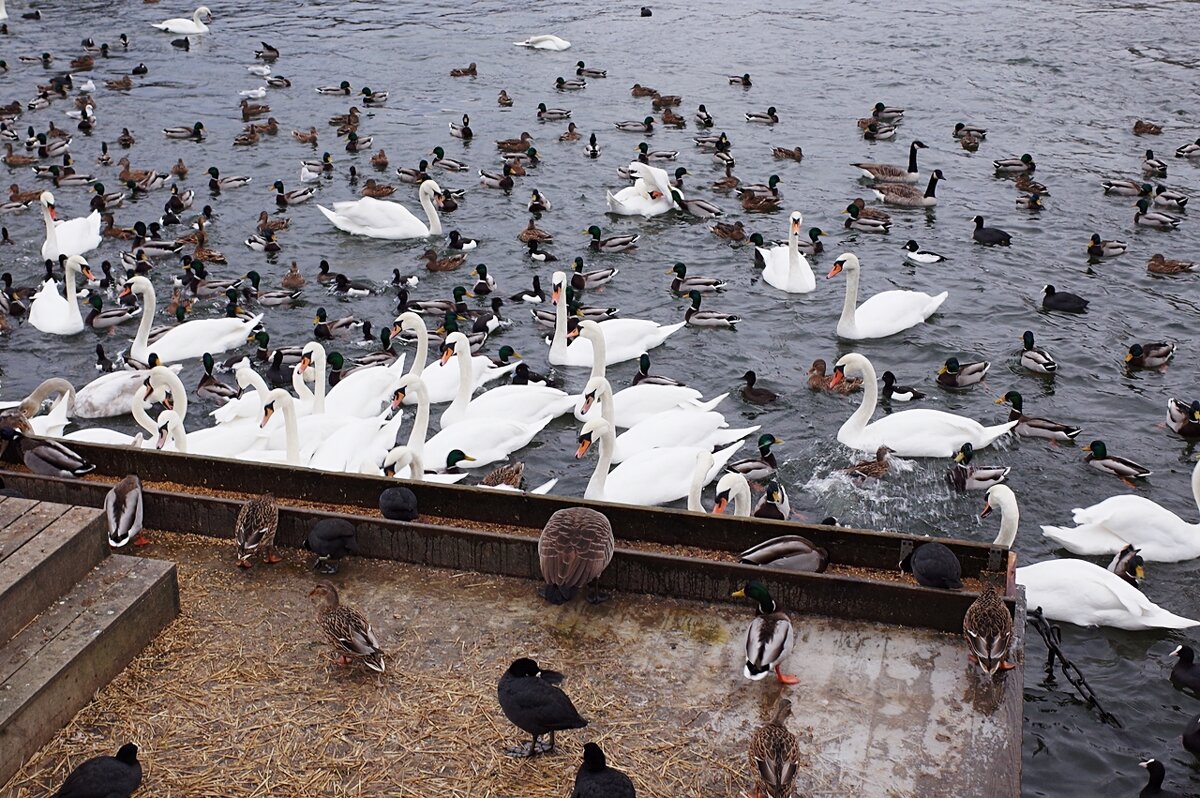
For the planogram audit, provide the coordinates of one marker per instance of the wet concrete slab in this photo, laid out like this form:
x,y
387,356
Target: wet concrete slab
x,y
241,692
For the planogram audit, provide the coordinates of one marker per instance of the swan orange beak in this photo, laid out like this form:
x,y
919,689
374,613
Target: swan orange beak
x,y
722,503
447,353
555,294
268,411
53,213
987,510
835,271
305,362
588,401
397,399
584,445
162,436
837,378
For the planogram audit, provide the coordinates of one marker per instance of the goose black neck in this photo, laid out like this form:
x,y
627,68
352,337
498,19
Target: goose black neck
x,y
933,180
912,158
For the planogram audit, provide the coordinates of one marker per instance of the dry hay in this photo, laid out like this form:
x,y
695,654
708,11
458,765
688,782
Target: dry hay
x,y
240,697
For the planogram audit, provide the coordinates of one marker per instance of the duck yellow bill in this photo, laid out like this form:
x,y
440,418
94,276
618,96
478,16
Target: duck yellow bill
x,y
1087,449
1128,357
1000,401
740,593
1139,572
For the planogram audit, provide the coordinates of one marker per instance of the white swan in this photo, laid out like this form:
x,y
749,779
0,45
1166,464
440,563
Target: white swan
x,y
388,220
440,379
544,42
281,400
110,394
188,340
1158,534
786,269
650,478
884,314
361,393
683,422
731,487
136,406
412,383
185,26
1076,591
228,440
3,11
50,312
53,422
524,403
624,339
68,236
650,194
909,433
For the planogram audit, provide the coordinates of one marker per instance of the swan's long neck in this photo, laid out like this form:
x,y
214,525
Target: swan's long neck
x,y
435,222
254,379
560,321
137,409
51,235
608,405
608,442
1010,520
704,463
741,499
599,354
418,366
303,392
851,301
862,416
55,385
318,360
141,341
794,248
291,430
466,380
178,433
162,374
1196,484
416,436
70,270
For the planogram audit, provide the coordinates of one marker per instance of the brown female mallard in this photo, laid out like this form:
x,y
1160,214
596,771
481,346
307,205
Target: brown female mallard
x,y
435,264
794,154
255,529
123,510
575,547
46,456
817,380
871,469
774,755
755,203
347,629
988,628
510,475
1160,265
533,233
730,232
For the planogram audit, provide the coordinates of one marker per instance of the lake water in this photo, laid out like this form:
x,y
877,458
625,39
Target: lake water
x,y
1061,81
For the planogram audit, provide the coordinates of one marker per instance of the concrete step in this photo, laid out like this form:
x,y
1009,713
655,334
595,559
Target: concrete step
x,y
45,548
57,662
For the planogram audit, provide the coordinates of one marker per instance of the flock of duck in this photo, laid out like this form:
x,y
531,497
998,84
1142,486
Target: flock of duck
x,y
658,440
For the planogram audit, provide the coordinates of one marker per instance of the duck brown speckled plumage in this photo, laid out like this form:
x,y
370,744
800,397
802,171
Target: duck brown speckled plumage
x,y
988,629
347,629
774,755
255,529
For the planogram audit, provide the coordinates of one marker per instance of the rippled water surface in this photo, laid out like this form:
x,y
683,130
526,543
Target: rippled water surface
x,y
1062,81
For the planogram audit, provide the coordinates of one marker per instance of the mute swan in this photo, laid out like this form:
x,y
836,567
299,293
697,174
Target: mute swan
x,y
50,312
69,236
487,440
136,405
650,195
682,423
280,399
1158,534
360,394
185,26
440,380
624,339
1076,591
786,269
412,383
909,433
884,314
544,42
188,340
730,488
387,220
524,403
52,423
229,440
109,394
650,478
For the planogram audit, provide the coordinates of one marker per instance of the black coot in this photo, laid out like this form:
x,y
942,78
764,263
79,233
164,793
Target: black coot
x,y
398,504
1063,300
1186,672
991,236
105,776
934,565
596,779
330,539
531,699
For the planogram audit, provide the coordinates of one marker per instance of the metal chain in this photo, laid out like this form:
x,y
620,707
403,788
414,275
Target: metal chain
x,y
1052,636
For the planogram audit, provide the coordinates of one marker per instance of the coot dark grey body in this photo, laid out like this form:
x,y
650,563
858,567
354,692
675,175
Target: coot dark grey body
x,y
533,702
934,565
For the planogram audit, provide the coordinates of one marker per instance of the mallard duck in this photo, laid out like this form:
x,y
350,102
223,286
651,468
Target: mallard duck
x,y
1127,188
645,126
357,143
350,119
212,388
682,284
672,119
817,381
879,131
377,189
989,236
551,114
373,99
264,242
574,84
347,629
988,629
698,208
963,476
520,144
621,243
124,83
769,189
582,280
961,375
768,118
1100,248
789,552
265,223
1035,358
410,175
485,284
504,100
758,468
858,221
1168,198
907,196
1189,150
216,183
1141,128
575,546
324,328
195,132
875,468
660,101
730,232
340,90
123,511
502,181
13,160
46,456
1099,458
644,376
769,638
256,522
961,129
100,319
1157,219
449,164
969,142
1009,166
1183,418
268,299
774,755
1151,355
1153,166
468,71
695,317
435,264
1160,265
639,90
263,354
785,153
753,394
247,138
250,110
